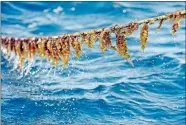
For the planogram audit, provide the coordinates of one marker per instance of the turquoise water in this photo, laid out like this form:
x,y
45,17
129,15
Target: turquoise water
x,y
98,88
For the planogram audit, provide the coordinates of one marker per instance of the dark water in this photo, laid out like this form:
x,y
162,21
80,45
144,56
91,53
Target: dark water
x,y
98,88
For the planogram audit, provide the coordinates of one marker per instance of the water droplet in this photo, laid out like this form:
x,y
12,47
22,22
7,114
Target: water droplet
x,y
124,11
73,9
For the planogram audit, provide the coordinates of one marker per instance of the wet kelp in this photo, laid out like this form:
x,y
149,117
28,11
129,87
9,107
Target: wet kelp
x,y
58,48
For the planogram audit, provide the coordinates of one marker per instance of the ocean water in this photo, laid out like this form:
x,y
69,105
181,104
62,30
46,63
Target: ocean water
x,y
98,88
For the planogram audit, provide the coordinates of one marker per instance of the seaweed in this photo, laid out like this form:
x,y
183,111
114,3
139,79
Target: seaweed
x,y
76,45
105,40
176,23
57,48
144,36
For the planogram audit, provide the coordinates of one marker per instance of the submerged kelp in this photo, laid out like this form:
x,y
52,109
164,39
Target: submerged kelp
x,y
58,48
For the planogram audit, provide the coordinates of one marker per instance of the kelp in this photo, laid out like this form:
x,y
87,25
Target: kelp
x,y
132,27
105,40
65,49
32,49
122,49
54,52
176,23
76,45
58,48
20,52
144,36
41,47
89,39
160,24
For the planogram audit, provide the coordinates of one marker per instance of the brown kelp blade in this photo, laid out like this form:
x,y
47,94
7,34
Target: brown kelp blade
x,y
55,52
32,49
19,50
65,53
89,38
160,24
144,36
105,40
132,27
77,46
41,47
122,47
176,23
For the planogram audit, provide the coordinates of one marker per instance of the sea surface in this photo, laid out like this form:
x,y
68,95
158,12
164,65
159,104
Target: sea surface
x,y
98,88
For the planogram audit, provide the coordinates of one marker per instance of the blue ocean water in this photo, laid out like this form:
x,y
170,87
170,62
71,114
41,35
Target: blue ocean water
x,y
98,88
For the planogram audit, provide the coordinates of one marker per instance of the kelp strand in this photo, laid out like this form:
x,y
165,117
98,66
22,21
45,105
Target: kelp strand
x,y
144,36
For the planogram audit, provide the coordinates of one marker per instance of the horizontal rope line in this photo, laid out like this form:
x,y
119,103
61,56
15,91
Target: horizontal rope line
x,y
123,26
